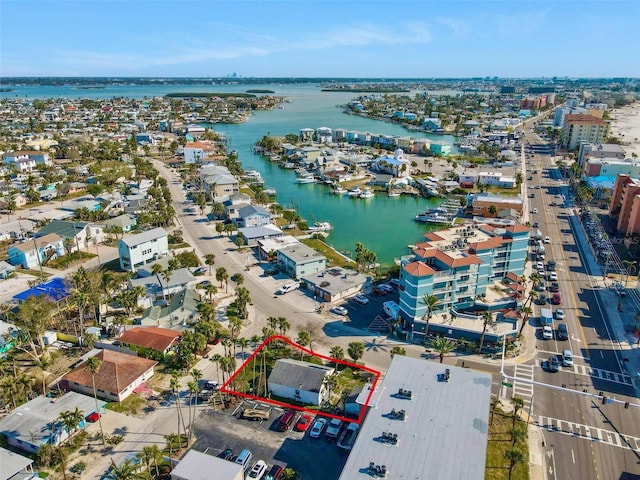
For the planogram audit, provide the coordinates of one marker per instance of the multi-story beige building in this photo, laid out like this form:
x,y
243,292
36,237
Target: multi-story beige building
x,y
582,128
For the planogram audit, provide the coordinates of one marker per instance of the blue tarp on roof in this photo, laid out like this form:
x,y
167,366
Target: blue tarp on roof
x,y
55,288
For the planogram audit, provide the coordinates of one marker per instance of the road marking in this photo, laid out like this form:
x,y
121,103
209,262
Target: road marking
x,y
591,433
606,375
573,457
523,390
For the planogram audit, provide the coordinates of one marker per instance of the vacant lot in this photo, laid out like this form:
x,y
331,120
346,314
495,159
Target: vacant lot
x,y
313,459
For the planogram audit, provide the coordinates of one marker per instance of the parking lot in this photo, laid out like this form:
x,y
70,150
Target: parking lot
x,y
313,459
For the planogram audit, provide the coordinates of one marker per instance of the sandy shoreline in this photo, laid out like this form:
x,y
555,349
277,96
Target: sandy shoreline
x,y
625,124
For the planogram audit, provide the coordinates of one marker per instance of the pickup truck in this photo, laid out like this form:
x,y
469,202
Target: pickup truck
x,y
348,437
333,428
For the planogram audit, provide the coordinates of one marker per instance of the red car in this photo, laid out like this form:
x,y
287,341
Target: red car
x,y
93,417
379,291
303,423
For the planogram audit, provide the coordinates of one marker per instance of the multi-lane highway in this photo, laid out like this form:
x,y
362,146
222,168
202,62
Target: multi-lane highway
x,y
584,439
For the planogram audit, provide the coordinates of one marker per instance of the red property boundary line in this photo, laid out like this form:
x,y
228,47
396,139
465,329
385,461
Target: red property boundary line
x,y
225,388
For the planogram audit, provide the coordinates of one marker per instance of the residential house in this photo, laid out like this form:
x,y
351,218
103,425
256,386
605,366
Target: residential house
x,y
251,235
197,152
14,466
37,251
36,423
119,375
56,289
149,340
26,161
6,269
196,465
143,248
182,310
334,283
86,201
480,204
135,203
76,235
233,204
252,216
398,165
300,381
158,287
218,182
123,223
19,201
300,260
442,149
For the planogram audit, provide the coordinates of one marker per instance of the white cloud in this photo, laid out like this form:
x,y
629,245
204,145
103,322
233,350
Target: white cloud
x,y
460,29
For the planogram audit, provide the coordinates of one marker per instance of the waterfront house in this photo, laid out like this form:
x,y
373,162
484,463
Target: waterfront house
x,y
37,422
218,182
119,375
147,340
252,216
300,381
77,235
37,251
300,260
197,152
334,283
398,165
251,235
143,248
306,134
442,149
480,204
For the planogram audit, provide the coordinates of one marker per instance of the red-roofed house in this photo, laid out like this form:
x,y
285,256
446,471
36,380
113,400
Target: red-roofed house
x,y
119,375
150,339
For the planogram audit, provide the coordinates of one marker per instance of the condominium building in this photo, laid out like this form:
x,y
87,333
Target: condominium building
x,y
457,265
625,204
582,128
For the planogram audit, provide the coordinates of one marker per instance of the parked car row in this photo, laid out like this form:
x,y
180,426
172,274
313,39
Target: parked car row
x,y
256,471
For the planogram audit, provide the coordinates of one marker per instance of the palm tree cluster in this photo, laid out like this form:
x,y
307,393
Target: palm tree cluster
x,y
364,256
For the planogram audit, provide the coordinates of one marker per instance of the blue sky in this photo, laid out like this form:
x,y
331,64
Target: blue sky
x,y
319,38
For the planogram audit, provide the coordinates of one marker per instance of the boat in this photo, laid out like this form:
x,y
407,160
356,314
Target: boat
x,y
338,190
321,227
435,215
354,192
306,178
394,194
367,193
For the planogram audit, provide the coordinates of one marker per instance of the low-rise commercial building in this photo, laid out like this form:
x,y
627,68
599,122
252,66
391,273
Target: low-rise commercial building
x,y
300,260
300,381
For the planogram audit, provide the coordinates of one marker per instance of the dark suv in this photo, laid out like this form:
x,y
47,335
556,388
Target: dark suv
x,y
563,333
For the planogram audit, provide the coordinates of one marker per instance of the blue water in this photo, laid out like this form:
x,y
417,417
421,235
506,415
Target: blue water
x,y
385,225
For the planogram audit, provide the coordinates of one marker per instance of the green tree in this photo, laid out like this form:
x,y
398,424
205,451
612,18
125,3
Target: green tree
x,y
355,350
517,434
210,260
443,346
32,319
337,352
93,366
127,470
431,302
518,405
222,276
304,339
487,321
70,421
514,456
397,350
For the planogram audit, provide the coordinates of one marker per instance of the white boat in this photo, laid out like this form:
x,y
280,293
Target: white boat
x,y
435,215
321,227
354,192
307,178
338,190
394,194
367,193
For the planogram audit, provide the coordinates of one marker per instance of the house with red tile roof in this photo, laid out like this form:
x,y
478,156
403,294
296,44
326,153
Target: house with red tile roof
x,y
117,378
145,340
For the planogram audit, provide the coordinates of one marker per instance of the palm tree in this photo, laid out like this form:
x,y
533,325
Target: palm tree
x,y
527,311
93,366
517,434
331,382
222,276
487,320
70,421
210,260
355,350
431,302
397,350
443,346
238,278
495,403
514,456
272,322
127,470
210,290
174,385
283,326
242,343
149,454
304,339
518,404
216,358
172,439
337,352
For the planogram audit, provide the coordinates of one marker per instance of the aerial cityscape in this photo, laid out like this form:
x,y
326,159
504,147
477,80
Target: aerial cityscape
x,y
319,240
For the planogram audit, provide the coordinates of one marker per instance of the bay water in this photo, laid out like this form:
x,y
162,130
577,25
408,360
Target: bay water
x,y
385,225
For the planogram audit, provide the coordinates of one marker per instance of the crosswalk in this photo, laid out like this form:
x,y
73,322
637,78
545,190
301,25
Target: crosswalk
x,y
523,390
602,374
587,432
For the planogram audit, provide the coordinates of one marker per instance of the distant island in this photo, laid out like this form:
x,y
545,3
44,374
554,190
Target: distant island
x,y
369,89
260,91
208,95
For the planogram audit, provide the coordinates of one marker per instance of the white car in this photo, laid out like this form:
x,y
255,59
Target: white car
x,y
553,276
547,240
540,266
559,314
361,299
567,358
258,470
535,210
339,310
547,332
289,287
317,428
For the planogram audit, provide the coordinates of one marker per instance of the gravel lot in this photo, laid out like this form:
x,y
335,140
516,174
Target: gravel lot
x,y
313,459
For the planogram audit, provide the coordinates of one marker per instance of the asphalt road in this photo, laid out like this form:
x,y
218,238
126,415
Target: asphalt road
x,y
582,436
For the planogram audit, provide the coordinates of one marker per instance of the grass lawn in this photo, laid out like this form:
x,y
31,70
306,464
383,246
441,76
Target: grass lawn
x,y
497,467
333,257
69,260
505,192
129,406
